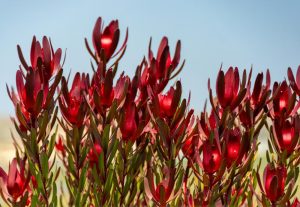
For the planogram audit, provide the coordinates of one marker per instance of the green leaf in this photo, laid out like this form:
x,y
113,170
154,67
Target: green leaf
x,y
44,165
108,183
54,195
52,142
82,178
105,138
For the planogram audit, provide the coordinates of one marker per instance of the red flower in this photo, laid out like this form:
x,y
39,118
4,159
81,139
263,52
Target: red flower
x,y
287,134
163,191
94,154
274,181
146,80
168,103
164,64
32,94
156,72
210,123
103,91
107,40
233,147
60,147
296,203
121,88
13,184
283,101
43,57
129,123
295,84
187,147
212,157
72,104
259,90
228,88
255,101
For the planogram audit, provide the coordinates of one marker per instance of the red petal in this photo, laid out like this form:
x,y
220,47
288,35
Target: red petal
x,y
176,57
12,174
33,52
97,35
47,53
162,46
56,60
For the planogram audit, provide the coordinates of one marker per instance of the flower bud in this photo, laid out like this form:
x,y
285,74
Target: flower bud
x,y
212,157
274,181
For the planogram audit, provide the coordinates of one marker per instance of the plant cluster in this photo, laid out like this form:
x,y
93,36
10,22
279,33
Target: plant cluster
x,y
136,141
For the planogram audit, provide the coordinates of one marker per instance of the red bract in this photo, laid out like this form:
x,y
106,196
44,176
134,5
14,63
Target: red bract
x,y
121,88
283,99
295,84
162,193
43,57
72,104
129,123
228,88
287,134
156,72
162,189
259,93
13,184
255,101
32,94
164,64
296,203
60,147
274,181
188,147
107,40
212,158
168,103
94,153
233,147
208,124
102,90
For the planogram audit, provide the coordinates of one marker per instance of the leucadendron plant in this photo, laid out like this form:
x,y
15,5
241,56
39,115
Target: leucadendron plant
x,y
32,175
136,141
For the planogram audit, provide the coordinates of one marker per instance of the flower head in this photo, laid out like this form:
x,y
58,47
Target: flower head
x,y
13,184
72,103
43,57
107,39
168,103
286,132
228,88
274,181
130,122
212,157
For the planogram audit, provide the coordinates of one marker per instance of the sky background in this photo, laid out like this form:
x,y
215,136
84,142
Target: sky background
x,y
265,34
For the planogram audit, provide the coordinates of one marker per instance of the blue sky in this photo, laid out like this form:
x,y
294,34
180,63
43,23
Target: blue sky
x,y
265,34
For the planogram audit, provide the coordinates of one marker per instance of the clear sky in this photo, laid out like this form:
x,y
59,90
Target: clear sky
x,y
265,34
